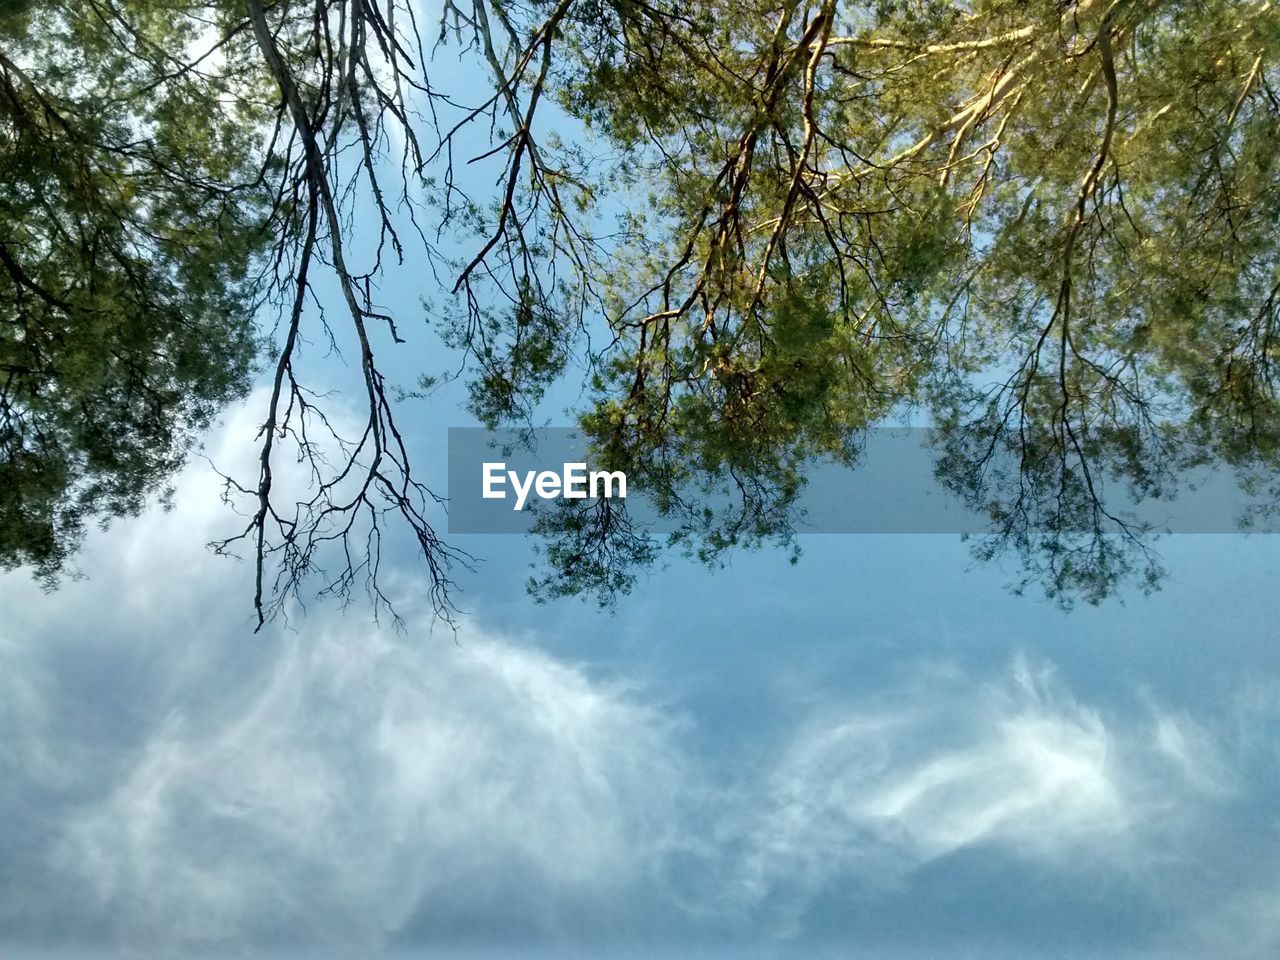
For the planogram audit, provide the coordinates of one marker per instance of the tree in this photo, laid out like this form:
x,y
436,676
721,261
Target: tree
x,y
129,222
1049,224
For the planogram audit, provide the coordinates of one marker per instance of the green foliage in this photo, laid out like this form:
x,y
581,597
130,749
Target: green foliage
x,y
1053,225
764,228
128,223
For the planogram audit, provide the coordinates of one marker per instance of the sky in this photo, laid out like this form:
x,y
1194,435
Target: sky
x,y
879,751
881,747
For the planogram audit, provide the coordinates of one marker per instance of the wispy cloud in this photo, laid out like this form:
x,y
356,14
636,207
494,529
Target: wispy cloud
x,y
866,793
368,775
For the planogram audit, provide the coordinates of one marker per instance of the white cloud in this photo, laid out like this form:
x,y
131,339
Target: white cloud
x,y
372,773
868,793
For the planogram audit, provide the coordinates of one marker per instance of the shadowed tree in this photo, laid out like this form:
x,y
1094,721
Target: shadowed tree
x,y
131,212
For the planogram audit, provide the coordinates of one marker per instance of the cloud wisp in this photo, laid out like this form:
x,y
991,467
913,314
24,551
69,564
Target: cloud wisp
x,y
368,777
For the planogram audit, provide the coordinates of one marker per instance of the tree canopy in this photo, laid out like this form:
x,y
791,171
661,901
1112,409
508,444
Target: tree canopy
x,y
129,220
762,228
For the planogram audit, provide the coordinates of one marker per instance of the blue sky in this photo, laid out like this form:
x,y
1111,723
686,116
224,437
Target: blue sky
x,y
880,748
